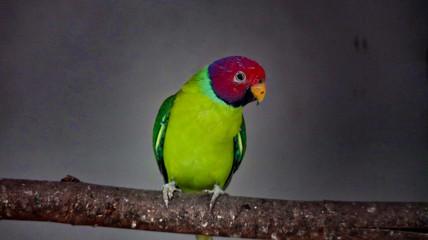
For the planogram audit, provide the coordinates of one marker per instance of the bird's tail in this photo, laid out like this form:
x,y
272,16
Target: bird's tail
x,y
203,237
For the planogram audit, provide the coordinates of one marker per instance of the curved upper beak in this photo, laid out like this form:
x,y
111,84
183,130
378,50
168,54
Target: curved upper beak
x,y
259,91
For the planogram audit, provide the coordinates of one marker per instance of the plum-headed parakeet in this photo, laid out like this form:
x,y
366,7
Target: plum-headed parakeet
x,y
199,135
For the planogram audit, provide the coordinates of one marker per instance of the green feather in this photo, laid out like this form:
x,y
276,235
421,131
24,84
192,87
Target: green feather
x,y
159,131
240,145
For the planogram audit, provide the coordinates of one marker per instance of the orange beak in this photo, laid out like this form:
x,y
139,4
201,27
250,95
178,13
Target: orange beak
x,y
259,91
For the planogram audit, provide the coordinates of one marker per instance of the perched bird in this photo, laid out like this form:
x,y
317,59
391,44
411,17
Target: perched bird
x,y
199,137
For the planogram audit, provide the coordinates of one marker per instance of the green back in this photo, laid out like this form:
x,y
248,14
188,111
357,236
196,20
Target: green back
x,y
159,131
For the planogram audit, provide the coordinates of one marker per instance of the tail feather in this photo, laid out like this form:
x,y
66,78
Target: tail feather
x,y
203,237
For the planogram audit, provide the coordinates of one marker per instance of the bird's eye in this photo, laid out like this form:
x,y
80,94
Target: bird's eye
x,y
239,76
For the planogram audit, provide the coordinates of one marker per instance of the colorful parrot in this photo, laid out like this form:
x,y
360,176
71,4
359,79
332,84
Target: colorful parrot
x,y
199,137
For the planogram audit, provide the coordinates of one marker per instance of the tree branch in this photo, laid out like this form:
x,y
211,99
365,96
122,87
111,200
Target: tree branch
x,y
79,203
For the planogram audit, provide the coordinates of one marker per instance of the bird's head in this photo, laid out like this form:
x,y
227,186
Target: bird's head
x,y
237,80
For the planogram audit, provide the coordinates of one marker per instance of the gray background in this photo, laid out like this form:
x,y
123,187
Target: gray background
x,y
345,116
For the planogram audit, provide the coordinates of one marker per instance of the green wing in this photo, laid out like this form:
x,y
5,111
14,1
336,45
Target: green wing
x,y
239,146
159,131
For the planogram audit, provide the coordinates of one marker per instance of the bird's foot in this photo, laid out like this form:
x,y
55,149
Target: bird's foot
x,y
168,191
215,193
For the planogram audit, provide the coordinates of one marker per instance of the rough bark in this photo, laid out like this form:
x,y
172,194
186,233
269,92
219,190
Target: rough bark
x,y
79,203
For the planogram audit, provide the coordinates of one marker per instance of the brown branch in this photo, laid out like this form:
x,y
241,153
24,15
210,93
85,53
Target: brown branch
x,y
80,203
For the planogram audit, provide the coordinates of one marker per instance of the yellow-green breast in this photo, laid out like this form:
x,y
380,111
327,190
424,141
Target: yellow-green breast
x,y
198,148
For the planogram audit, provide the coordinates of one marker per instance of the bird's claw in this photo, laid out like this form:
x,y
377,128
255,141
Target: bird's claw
x,y
168,192
215,193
